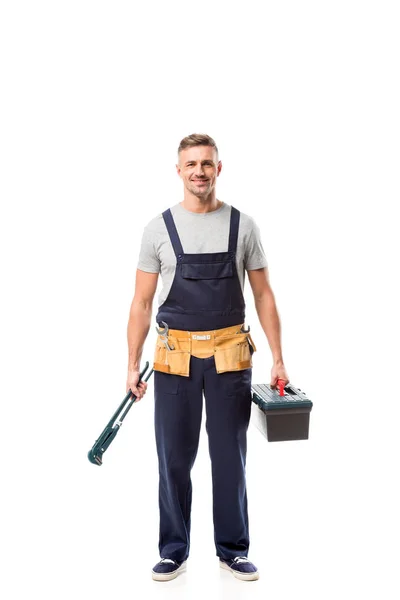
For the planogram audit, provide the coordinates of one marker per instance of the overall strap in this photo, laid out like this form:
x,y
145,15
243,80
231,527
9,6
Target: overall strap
x,y
234,229
173,234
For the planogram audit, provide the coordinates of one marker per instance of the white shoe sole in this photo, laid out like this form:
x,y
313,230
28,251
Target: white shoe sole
x,y
168,576
243,576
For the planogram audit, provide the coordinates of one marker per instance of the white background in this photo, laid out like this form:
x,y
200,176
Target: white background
x,y
302,99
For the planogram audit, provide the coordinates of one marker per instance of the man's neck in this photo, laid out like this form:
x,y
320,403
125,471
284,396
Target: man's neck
x,y
201,205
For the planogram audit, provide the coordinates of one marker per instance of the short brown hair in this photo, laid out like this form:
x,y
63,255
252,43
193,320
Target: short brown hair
x,y
197,139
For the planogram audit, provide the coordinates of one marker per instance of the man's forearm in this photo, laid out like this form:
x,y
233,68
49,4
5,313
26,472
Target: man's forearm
x,y
269,319
138,328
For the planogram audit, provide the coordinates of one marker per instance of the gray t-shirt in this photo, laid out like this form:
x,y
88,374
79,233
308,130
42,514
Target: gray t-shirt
x,y
199,233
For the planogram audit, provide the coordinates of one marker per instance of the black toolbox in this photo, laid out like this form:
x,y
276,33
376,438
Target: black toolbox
x,y
280,418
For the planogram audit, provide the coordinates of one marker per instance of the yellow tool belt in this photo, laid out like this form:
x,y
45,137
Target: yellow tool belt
x,y
231,348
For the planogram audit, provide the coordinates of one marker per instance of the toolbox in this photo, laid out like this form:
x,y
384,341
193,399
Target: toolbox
x,y
280,415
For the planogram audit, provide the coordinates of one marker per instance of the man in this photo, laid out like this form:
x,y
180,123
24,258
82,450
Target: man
x,y
202,248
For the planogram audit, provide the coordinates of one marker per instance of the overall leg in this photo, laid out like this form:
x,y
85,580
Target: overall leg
x,y
228,406
178,409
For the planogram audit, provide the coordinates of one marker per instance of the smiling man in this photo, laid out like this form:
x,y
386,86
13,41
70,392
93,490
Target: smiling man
x,y
202,248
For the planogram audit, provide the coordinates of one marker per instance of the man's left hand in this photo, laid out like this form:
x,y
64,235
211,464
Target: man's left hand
x,y
278,371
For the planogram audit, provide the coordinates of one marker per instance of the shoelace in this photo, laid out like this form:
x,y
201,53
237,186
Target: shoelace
x,y
238,559
163,560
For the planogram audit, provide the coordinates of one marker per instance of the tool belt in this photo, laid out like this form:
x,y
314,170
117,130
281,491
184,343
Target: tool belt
x,y
231,347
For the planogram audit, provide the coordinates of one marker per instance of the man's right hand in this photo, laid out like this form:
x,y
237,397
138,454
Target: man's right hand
x,y
132,384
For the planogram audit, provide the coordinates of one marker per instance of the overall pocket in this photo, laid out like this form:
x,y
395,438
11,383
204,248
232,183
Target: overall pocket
x,y
208,281
165,383
211,270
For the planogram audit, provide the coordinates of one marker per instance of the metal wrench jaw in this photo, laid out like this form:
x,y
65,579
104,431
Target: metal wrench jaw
x,y
243,330
163,333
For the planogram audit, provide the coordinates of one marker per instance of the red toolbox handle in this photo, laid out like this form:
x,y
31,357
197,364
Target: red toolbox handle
x,y
281,384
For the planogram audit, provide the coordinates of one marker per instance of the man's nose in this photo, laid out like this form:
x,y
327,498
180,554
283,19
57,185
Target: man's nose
x,y
199,170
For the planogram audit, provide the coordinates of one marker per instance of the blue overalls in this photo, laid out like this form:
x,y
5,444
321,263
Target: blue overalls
x,y
205,295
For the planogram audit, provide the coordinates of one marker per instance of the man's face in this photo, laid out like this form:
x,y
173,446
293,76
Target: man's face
x,y
199,168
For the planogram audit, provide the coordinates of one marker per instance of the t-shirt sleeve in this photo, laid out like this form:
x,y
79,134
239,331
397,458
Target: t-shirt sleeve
x,y
148,257
254,257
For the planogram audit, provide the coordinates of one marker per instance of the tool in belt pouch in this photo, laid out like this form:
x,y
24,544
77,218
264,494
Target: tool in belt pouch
x,y
231,352
172,353
175,360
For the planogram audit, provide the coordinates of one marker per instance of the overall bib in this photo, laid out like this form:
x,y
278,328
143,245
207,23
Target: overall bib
x,y
205,295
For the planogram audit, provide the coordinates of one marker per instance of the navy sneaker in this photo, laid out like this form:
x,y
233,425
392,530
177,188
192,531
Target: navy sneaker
x,y
241,568
167,569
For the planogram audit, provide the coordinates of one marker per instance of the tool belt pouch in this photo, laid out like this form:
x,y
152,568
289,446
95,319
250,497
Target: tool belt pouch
x,y
176,361
233,352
